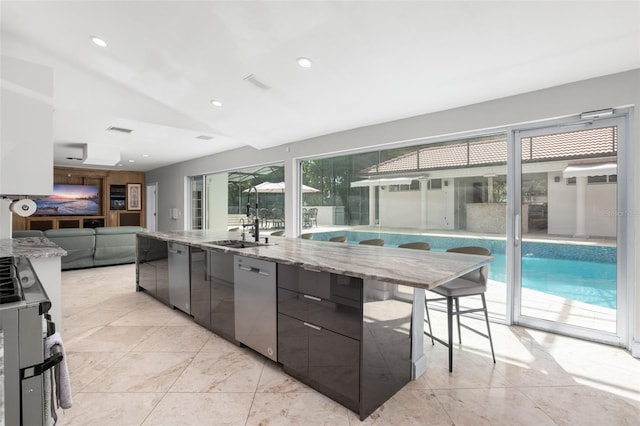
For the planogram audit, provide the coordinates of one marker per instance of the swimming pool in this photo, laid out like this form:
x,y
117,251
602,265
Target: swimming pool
x,y
578,272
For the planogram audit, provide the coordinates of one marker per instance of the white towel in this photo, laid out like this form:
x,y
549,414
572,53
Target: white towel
x,y
53,344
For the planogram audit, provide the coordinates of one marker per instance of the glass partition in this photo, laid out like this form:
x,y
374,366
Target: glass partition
x,y
448,194
222,198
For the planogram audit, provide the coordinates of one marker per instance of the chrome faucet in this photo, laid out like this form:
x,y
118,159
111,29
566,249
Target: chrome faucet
x,y
256,220
242,234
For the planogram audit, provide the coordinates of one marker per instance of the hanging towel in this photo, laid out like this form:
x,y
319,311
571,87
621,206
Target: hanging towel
x,y
53,344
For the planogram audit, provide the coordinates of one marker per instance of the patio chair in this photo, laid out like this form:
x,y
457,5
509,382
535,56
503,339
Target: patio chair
x,y
277,218
277,234
307,236
312,216
373,242
338,239
473,283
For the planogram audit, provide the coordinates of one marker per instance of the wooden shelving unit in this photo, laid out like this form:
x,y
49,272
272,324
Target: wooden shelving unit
x,y
113,200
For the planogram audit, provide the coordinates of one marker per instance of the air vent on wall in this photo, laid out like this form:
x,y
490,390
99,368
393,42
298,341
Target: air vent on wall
x,y
204,137
253,80
118,129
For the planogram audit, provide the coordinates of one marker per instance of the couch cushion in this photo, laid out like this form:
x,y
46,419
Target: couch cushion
x,y
27,233
116,245
118,230
79,244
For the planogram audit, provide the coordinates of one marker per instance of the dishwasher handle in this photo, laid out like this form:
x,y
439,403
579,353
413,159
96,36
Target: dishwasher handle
x,y
254,270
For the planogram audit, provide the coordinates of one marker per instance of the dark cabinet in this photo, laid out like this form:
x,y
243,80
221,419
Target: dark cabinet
x,y
152,267
319,331
327,361
340,336
200,288
222,300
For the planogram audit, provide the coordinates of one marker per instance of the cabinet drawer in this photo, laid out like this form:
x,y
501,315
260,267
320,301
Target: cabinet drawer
x,y
320,284
338,317
327,361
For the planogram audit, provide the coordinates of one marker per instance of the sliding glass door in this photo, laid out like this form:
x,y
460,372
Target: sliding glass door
x,y
569,271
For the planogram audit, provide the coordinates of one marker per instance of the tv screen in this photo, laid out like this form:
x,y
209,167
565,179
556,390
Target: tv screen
x,y
69,200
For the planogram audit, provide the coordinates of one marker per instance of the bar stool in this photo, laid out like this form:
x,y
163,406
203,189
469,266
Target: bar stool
x,y
417,245
473,283
373,242
338,239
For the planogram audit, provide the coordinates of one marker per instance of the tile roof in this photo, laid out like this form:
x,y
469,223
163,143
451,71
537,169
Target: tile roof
x,y
490,150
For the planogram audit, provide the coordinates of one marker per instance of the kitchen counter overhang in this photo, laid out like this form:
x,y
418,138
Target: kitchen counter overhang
x,y
422,269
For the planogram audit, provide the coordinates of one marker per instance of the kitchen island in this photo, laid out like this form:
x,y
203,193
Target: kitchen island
x,y
347,319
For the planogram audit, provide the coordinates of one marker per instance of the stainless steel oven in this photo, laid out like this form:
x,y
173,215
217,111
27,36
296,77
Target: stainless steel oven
x,y
24,324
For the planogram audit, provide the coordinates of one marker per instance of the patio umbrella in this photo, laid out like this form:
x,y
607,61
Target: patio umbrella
x,y
278,187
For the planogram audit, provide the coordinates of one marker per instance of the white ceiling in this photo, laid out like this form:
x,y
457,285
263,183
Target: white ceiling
x,y
373,62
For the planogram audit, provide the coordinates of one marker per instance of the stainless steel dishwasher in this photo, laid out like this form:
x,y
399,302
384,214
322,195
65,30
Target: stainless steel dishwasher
x,y
256,305
179,277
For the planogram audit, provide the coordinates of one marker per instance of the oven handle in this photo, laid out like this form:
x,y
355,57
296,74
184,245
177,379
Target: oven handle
x,y
38,369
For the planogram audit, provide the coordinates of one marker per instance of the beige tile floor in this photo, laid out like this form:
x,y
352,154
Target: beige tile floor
x,y
134,361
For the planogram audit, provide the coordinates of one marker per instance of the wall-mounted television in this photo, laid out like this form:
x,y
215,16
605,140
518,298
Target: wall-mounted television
x,y
70,200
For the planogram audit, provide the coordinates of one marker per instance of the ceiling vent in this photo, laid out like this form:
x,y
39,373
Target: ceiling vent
x,y
101,155
204,137
118,129
253,80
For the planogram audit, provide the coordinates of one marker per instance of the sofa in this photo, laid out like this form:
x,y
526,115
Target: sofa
x,y
89,247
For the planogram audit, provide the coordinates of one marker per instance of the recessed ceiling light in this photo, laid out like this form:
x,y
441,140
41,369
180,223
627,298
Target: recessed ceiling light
x,y
98,41
145,155
132,161
119,164
216,103
304,62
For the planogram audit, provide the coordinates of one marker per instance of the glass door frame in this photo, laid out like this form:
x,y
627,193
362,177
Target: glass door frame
x,y
624,227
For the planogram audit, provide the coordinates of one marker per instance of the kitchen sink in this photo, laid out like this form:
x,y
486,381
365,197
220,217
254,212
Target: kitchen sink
x,y
236,243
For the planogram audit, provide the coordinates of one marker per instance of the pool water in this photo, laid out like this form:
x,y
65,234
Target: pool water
x,y
582,273
584,281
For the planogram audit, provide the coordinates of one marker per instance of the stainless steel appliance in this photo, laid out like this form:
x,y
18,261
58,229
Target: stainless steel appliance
x,y
23,327
256,305
179,277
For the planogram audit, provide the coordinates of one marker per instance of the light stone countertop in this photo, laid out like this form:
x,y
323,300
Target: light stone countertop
x,y
415,268
30,247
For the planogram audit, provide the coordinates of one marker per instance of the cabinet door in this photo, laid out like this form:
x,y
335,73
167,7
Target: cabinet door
x,y
162,279
293,345
334,363
222,294
200,289
147,277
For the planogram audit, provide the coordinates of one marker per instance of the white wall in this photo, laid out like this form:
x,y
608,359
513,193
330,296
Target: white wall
x,y
440,207
600,204
399,209
617,90
217,201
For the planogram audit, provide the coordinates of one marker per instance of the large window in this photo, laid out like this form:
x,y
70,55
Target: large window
x,y
219,200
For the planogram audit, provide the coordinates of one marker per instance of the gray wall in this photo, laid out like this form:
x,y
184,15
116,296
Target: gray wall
x,y
617,90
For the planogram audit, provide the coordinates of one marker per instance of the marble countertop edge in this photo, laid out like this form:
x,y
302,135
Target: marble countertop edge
x,y
30,247
414,268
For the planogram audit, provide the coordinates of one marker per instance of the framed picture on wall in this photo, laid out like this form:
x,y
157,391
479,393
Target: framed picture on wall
x,y
134,194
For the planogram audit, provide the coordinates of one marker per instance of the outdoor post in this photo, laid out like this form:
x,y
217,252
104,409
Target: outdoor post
x,y
423,203
372,205
581,206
